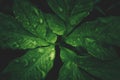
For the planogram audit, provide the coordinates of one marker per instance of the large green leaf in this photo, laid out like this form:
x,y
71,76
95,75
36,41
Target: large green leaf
x,y
13,35
87,67
71,11
34,65
31,17
103,70
33,20
71,71
55,24
98,37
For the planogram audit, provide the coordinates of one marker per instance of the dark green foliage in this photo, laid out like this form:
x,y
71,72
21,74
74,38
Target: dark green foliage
x,y
87,51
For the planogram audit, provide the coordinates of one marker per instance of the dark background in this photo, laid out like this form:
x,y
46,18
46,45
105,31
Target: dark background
x,y
6,55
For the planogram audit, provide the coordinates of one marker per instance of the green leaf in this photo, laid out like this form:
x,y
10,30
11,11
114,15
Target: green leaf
x,y
50,36
13,35
71,11
55,24
103,70
71,71
67,55
87,67
34,65
98,37
31,17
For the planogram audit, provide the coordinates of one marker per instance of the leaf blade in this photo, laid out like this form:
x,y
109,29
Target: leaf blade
x,y
32,18
14,36
34,65
98,37
71,71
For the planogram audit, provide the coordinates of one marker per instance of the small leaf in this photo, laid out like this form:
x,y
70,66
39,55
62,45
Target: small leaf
x,y
98,37
31,17
13,35
34,65
55,24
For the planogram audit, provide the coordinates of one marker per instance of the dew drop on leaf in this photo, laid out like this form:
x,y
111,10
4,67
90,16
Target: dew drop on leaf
x,y
33,59
17,17
60,9
41,20
40,50
34,25
78,39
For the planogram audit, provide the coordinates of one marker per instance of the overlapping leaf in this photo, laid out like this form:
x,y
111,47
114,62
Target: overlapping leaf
x,y
71,71
13,35
98,37
87,67
103,70
36,29
34,65
31,17
55,24
33,20
71,11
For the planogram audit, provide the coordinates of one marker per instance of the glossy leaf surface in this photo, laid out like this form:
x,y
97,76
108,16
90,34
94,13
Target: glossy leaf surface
x,y
13,35
98,37
55,24
71,11
31,17
34,65
87,67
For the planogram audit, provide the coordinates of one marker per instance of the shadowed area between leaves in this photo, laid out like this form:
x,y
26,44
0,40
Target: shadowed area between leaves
x,y
54,72
6,55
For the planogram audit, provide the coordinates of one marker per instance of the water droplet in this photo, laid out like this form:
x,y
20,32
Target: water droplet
x,y
17,17
40,50
88,13
34,26
78,39
60,9
74,42
33,59
25,63
41,20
